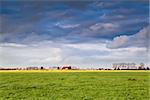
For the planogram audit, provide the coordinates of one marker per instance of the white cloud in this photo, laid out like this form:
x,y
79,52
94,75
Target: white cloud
x,y
70,26
104,26
106,17
18,55
98,54
140,39
118,41
48,53
67,25
12,45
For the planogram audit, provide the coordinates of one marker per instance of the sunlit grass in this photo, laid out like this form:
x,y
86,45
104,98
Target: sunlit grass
x,y
79,85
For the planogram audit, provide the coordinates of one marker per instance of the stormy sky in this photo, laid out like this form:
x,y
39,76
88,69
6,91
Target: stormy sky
x,y
87,33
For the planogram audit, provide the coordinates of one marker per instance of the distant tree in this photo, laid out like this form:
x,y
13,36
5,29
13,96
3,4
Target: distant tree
x,y
142,64
42,67
147,68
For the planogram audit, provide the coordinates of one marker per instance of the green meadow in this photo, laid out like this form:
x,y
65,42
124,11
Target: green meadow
x,y
74,85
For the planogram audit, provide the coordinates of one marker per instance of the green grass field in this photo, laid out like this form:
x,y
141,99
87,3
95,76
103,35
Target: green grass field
x,y
74,85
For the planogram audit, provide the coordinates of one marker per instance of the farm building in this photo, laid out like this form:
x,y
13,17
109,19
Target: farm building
x,y
128,66
54,68
124,66
141,66
66,67
32,68
8,68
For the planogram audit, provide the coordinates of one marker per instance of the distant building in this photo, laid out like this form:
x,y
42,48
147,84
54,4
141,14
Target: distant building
x,y
32,68
54,68
141,66
8,68
66,67
122,66
100,68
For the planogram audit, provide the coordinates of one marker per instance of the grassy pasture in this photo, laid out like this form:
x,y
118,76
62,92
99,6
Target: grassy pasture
x,y
74,85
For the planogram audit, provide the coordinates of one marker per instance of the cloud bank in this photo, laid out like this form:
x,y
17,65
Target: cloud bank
x,y
86,54
80,33
140,39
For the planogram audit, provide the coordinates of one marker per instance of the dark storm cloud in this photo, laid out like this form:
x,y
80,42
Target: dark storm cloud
x,y
63,19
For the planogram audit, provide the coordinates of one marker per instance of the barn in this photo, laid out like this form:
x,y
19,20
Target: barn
x,y
66,67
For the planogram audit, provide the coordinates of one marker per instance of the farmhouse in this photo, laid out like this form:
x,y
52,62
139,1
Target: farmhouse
x,y
123,66
32,68
128,66
54,68
66,67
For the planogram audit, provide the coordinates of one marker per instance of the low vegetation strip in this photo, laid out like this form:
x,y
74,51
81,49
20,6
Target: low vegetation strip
x,y
90,85
74,71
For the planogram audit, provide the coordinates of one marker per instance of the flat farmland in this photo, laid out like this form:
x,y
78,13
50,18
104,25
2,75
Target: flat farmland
x,y
74,85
